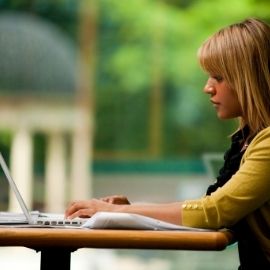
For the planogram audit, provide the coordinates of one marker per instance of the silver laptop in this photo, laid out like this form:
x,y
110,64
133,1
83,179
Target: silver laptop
x,y
32,218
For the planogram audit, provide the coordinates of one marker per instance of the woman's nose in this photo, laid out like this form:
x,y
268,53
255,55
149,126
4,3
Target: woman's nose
x,y
209,87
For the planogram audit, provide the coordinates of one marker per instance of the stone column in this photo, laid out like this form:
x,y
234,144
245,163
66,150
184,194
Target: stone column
x,y
80,184
55,173
21,166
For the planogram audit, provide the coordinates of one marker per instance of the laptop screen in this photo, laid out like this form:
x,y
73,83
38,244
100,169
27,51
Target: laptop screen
x,y
15,189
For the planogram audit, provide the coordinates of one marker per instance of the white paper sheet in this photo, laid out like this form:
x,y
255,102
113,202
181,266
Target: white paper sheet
x,y
111,220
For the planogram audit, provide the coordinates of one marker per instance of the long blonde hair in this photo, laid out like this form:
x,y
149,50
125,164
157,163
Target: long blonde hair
x,y
240,53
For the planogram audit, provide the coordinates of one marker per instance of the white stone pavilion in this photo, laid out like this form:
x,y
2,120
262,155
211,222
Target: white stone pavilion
x,y
40,92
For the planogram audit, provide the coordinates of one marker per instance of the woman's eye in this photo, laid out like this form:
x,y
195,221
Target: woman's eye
x,y
218,78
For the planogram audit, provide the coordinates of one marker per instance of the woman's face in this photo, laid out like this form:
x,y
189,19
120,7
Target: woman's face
x,y
223,98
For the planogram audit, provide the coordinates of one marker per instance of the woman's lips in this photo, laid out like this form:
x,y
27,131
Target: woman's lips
x,y
215,104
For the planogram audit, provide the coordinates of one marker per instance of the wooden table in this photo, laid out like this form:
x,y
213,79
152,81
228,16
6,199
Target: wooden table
x,y
57,244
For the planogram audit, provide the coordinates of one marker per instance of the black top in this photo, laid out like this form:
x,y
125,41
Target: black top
x,y
232,159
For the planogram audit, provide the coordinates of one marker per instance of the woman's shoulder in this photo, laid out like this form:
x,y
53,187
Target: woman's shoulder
x,y
263,133
262,137
259,147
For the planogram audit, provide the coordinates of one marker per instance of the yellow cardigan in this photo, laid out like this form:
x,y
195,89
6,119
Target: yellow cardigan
x,y
246,194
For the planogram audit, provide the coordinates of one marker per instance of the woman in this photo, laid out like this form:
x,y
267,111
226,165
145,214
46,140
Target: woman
x,y
237,61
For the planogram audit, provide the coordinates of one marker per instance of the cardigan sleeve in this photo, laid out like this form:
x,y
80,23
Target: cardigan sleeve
x,y
246,191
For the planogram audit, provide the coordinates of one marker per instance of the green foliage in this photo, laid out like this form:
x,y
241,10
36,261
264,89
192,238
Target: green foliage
x,y
143,44
61,12
162,36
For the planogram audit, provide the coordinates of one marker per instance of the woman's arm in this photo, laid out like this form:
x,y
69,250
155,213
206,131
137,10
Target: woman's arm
x,y
169,212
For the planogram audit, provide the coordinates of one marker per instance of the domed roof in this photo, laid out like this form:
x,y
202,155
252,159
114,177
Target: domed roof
x,y
36,58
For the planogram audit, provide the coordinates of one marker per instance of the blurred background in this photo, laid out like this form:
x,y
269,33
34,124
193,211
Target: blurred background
x,y
101,97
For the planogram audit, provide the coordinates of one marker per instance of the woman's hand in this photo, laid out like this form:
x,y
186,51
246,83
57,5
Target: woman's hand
x,y
87,208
